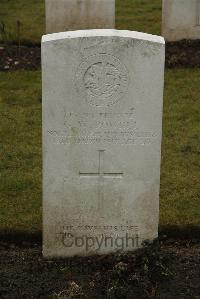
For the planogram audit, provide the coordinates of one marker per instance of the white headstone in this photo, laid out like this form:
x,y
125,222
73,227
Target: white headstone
x,y
63,15
181,19
102,126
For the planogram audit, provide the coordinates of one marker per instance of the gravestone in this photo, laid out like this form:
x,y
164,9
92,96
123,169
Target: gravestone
x,y
181,19
63,15
102,126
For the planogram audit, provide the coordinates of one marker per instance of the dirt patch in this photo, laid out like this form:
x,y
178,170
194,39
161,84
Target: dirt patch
x,y
168,269
183,54
19,58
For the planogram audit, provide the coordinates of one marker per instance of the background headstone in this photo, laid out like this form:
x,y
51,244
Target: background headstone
x,y
181,19
63,15
102,126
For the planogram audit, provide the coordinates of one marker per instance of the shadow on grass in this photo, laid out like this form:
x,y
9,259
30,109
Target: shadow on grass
x,y
180,232
170,231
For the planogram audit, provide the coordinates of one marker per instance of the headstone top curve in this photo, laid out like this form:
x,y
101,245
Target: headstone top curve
x,y
103,33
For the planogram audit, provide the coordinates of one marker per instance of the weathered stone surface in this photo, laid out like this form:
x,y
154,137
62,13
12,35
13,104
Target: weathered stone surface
x,y
181,19
102,116
63,15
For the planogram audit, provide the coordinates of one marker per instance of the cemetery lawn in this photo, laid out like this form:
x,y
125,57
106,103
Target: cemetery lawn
x,y
30,14
137,15
20,151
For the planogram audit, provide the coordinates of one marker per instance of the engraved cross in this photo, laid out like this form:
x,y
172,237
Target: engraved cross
x,y
101,173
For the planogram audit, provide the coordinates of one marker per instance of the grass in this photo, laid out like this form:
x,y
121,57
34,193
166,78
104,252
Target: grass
x,y
180,153
138,15
20,147
30,13
20,150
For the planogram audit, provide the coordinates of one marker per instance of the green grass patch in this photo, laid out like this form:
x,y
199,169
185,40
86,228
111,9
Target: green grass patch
x,y
30,14
20,150
180,190
138,15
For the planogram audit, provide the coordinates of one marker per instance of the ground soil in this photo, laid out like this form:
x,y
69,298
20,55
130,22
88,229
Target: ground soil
x,y
13,57
168,269
183,54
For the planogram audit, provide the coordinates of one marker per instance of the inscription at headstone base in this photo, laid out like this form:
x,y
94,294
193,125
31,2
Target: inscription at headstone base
x,y
102,127
181,19
63,15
